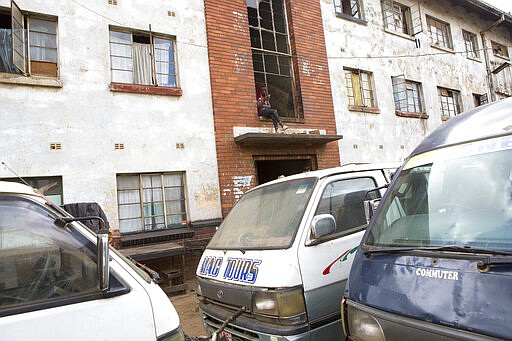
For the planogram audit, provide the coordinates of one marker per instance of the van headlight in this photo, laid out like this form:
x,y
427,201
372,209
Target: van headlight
x,y
363,326
175,335
280,303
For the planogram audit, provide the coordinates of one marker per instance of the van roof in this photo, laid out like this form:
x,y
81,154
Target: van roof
x,y
347,168
494,119
14,187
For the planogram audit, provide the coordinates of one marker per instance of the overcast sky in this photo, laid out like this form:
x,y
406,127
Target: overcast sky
x,y
504,5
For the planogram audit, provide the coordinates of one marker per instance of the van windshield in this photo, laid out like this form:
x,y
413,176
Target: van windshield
x,y
265,218
460,195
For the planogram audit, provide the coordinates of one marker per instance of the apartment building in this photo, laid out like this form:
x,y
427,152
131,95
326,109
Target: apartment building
x,y
399,69
279,44
109,101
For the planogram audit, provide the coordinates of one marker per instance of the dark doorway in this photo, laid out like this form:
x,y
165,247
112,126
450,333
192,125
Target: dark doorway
x,y
268,170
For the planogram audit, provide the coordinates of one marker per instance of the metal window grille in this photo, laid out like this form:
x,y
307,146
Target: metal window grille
x,y
471,44
450,102
439,33
407,95
397,17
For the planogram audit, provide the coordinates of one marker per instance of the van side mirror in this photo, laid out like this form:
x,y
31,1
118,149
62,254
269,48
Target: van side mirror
x,y
322,225
102,248
370,206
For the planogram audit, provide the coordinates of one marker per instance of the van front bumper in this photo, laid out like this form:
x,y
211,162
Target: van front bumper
x,y
248,328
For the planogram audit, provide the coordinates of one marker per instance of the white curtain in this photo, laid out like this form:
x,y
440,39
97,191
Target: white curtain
x,y
142,63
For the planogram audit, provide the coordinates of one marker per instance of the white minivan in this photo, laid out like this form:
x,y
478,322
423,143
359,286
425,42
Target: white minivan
x,y
280,259
58,280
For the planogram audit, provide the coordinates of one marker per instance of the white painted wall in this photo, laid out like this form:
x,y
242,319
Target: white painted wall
x,y
88,118
349,44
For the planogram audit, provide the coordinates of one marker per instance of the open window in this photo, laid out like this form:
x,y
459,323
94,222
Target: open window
x,y
499,50
28,43
408,97
400,18
272,56
360,89
348,8
450,102
142,58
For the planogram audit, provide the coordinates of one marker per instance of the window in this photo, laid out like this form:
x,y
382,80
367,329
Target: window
x,y
407,95
397,17
439,31
142,58
348,8
471,43
41,263
151,202
499,50
450,102
271,54
344,201
31,40
359,88
51,186
479,100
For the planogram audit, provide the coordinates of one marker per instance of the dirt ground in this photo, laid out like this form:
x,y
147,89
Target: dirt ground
x,y
187,307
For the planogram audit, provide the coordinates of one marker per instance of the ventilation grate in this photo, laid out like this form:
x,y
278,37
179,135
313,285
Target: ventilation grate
x,y
112,2
119,146
55,146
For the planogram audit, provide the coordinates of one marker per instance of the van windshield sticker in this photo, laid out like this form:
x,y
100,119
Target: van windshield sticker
x,y
237,269
466,149
437,274
302,189
342,258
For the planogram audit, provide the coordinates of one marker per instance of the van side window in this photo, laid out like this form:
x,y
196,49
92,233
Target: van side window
x,y
39,261
343,199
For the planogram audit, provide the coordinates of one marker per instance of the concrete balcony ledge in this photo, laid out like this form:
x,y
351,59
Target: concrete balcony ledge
x,y
253,136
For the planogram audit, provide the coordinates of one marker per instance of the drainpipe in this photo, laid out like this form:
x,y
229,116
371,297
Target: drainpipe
x,y
490,79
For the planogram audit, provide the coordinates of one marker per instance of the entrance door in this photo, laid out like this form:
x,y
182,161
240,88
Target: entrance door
x,y
268,170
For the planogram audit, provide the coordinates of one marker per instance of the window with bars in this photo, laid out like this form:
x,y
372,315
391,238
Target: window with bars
x,y
271,54
142,58
359,87
397,17
348,8
471,44
439,32
28,43
450,102
407,95
149,202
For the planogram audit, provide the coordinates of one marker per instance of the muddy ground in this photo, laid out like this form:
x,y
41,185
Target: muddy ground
x,y
188,309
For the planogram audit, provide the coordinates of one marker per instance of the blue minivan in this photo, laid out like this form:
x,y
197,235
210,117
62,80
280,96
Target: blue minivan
x,y
436,260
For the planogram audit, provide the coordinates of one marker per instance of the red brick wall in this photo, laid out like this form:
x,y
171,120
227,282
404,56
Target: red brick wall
x,y
233,91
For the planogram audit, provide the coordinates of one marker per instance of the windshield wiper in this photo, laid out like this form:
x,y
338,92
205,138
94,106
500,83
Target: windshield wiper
x,y
369,250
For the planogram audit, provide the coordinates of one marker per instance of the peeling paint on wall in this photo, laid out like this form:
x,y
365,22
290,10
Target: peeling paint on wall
x,y
241,183
207,198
